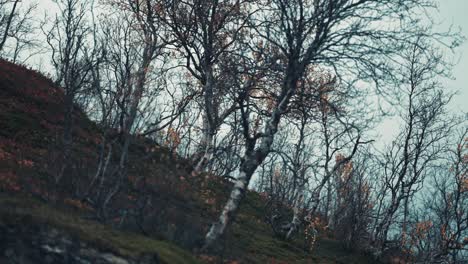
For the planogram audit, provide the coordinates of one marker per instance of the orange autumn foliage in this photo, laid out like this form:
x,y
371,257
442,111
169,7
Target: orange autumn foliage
x,y
172,138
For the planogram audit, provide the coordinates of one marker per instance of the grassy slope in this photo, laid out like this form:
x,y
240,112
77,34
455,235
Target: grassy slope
x,y
30,122
23,210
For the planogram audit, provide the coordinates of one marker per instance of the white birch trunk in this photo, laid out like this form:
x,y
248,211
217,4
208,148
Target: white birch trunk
x,y
252,159
206,147
237,194
293,226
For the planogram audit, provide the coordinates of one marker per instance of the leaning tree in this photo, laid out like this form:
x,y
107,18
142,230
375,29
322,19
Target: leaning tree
x,y
354,38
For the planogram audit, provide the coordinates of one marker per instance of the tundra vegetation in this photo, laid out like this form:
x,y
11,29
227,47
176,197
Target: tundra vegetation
x,y
282,98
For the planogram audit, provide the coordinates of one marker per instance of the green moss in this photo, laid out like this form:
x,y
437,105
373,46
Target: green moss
x,y
252,238
28,211
249,239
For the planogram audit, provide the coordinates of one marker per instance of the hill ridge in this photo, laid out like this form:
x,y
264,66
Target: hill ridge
x,y
158,199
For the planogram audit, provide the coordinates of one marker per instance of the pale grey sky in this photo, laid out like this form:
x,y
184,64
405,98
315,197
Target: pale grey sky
x,y
456,12
452,12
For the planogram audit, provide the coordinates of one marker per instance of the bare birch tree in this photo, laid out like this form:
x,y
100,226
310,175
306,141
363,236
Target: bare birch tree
x,y
67,39
421,140
205,33
301,33
441,230
130,64
16,29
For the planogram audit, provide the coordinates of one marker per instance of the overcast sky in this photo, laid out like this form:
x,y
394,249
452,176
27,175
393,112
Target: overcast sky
x,y
455,12
452,12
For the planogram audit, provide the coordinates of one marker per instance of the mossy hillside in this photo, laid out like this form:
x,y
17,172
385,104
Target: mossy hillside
x,y
30,122
27,211
251,237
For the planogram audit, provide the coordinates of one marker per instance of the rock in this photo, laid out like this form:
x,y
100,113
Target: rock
x,y
45,245
113,259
